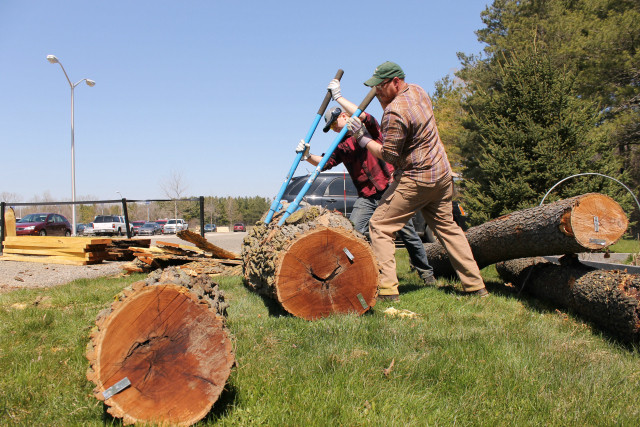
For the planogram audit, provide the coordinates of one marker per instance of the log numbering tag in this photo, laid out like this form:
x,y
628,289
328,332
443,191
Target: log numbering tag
x,y
362,301
349,255
598,241
116,388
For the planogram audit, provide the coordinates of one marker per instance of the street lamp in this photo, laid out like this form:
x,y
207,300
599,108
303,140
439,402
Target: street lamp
x,y
121,203
52,59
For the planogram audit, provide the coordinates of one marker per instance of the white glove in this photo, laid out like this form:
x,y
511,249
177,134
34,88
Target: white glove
x,y
334,87
303,147
359,132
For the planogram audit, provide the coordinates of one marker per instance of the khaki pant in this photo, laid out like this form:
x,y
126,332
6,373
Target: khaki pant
x,y
401,200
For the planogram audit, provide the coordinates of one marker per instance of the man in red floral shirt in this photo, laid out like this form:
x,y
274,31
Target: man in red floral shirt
x,y
370,175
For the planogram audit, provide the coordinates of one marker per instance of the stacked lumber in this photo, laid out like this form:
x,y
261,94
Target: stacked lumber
x,y
55,250
165,346
190,258
119,249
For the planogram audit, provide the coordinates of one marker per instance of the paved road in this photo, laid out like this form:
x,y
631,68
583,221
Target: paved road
x,y
228,241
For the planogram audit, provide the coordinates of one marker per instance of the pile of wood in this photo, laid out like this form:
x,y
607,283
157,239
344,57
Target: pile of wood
x,y
315,265
162,353
120,249
55,250
189,258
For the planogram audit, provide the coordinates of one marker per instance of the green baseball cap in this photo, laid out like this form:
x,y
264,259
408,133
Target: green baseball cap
x,y
388,70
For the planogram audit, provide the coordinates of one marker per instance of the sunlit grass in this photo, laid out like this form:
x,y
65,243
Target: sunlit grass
x,y
502,360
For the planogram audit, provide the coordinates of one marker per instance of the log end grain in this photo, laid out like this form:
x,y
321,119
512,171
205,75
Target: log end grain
x,y
327,271
171,342
597,221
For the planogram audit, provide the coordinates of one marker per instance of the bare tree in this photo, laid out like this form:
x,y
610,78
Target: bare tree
x,y
211,208
174,187
231,208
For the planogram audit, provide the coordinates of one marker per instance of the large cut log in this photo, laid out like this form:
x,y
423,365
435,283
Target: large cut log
x,y
167,336
608,298
580,224
315,265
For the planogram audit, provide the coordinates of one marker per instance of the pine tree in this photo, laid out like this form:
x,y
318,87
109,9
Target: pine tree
x,y
529,131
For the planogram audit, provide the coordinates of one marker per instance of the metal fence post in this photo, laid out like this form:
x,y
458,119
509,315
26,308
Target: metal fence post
x,y
202,216
2,206
126,217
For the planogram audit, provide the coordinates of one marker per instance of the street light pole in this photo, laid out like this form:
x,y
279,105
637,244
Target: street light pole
x,y
121,204
52,59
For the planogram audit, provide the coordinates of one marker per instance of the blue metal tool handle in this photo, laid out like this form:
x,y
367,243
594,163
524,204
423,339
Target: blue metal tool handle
x,y
296,161
294,205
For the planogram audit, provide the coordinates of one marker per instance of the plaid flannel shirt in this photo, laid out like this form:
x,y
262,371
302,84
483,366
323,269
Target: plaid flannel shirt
x,y
410,137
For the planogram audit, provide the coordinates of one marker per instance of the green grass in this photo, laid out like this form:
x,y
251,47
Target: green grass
x,y
627,245
502,360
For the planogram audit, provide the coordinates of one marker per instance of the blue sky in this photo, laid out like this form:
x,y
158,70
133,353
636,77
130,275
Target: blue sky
x,y
221,91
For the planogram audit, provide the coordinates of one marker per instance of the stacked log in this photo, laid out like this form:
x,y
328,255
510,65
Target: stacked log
x,y
55,250
315,265
120,249
580,224
167,337
608,298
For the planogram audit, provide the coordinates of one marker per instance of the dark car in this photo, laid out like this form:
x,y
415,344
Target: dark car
x,y
136,225
335,190
43,224
80,229
149,229
210,228
238,226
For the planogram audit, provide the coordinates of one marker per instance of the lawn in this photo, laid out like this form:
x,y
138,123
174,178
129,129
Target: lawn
x,y
502,360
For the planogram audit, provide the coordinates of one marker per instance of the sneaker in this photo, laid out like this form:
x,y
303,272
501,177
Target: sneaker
x,y
429,280
479,293
395,297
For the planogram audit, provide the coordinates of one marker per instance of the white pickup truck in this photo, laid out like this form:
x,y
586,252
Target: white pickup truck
x,y
174,225
110,224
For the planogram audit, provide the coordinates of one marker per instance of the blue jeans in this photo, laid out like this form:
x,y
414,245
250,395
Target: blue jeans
x,y
363,209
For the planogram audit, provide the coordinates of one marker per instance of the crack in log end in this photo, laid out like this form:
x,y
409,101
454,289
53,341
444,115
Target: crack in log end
x,y
326,281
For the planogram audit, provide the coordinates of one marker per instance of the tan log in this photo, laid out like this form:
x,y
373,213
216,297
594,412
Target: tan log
x,y
168,336
580,224
315,265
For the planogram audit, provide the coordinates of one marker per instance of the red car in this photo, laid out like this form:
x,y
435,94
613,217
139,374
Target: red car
x,y
239,227
136,226
43,224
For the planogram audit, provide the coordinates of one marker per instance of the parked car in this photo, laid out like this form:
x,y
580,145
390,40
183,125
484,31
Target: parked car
x,y
174,225
239,227
110,224
149,229
210,228
161,222
335,190
135,226
43,224
88,230
80,228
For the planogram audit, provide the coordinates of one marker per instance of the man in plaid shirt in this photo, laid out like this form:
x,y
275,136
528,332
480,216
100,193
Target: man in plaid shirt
x,y
371,177
422,179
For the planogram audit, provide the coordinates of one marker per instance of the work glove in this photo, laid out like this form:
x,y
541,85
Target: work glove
x,y
334,87
358,131
303,147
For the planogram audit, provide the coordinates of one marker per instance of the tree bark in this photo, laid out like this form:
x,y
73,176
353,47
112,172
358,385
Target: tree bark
x,y
608,298
563,227
168,336
315,265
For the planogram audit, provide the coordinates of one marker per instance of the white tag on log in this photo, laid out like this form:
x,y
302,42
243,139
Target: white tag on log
x,y
362,301
349,255
116,388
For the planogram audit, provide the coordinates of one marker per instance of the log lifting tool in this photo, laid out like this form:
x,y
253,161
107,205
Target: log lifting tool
x,y
275,206
294,205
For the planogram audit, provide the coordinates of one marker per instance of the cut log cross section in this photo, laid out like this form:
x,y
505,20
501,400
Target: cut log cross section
x,y
316,277
170,344
315,265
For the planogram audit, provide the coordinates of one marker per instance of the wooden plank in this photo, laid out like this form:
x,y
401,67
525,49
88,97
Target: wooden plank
x,y
47,260
51,252
9,223
177,245
55,240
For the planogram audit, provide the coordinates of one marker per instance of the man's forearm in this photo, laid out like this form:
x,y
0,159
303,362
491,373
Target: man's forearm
x,y
375,148
314,159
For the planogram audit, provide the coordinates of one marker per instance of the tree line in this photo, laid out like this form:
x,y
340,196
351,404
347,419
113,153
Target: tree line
x,y
555,92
